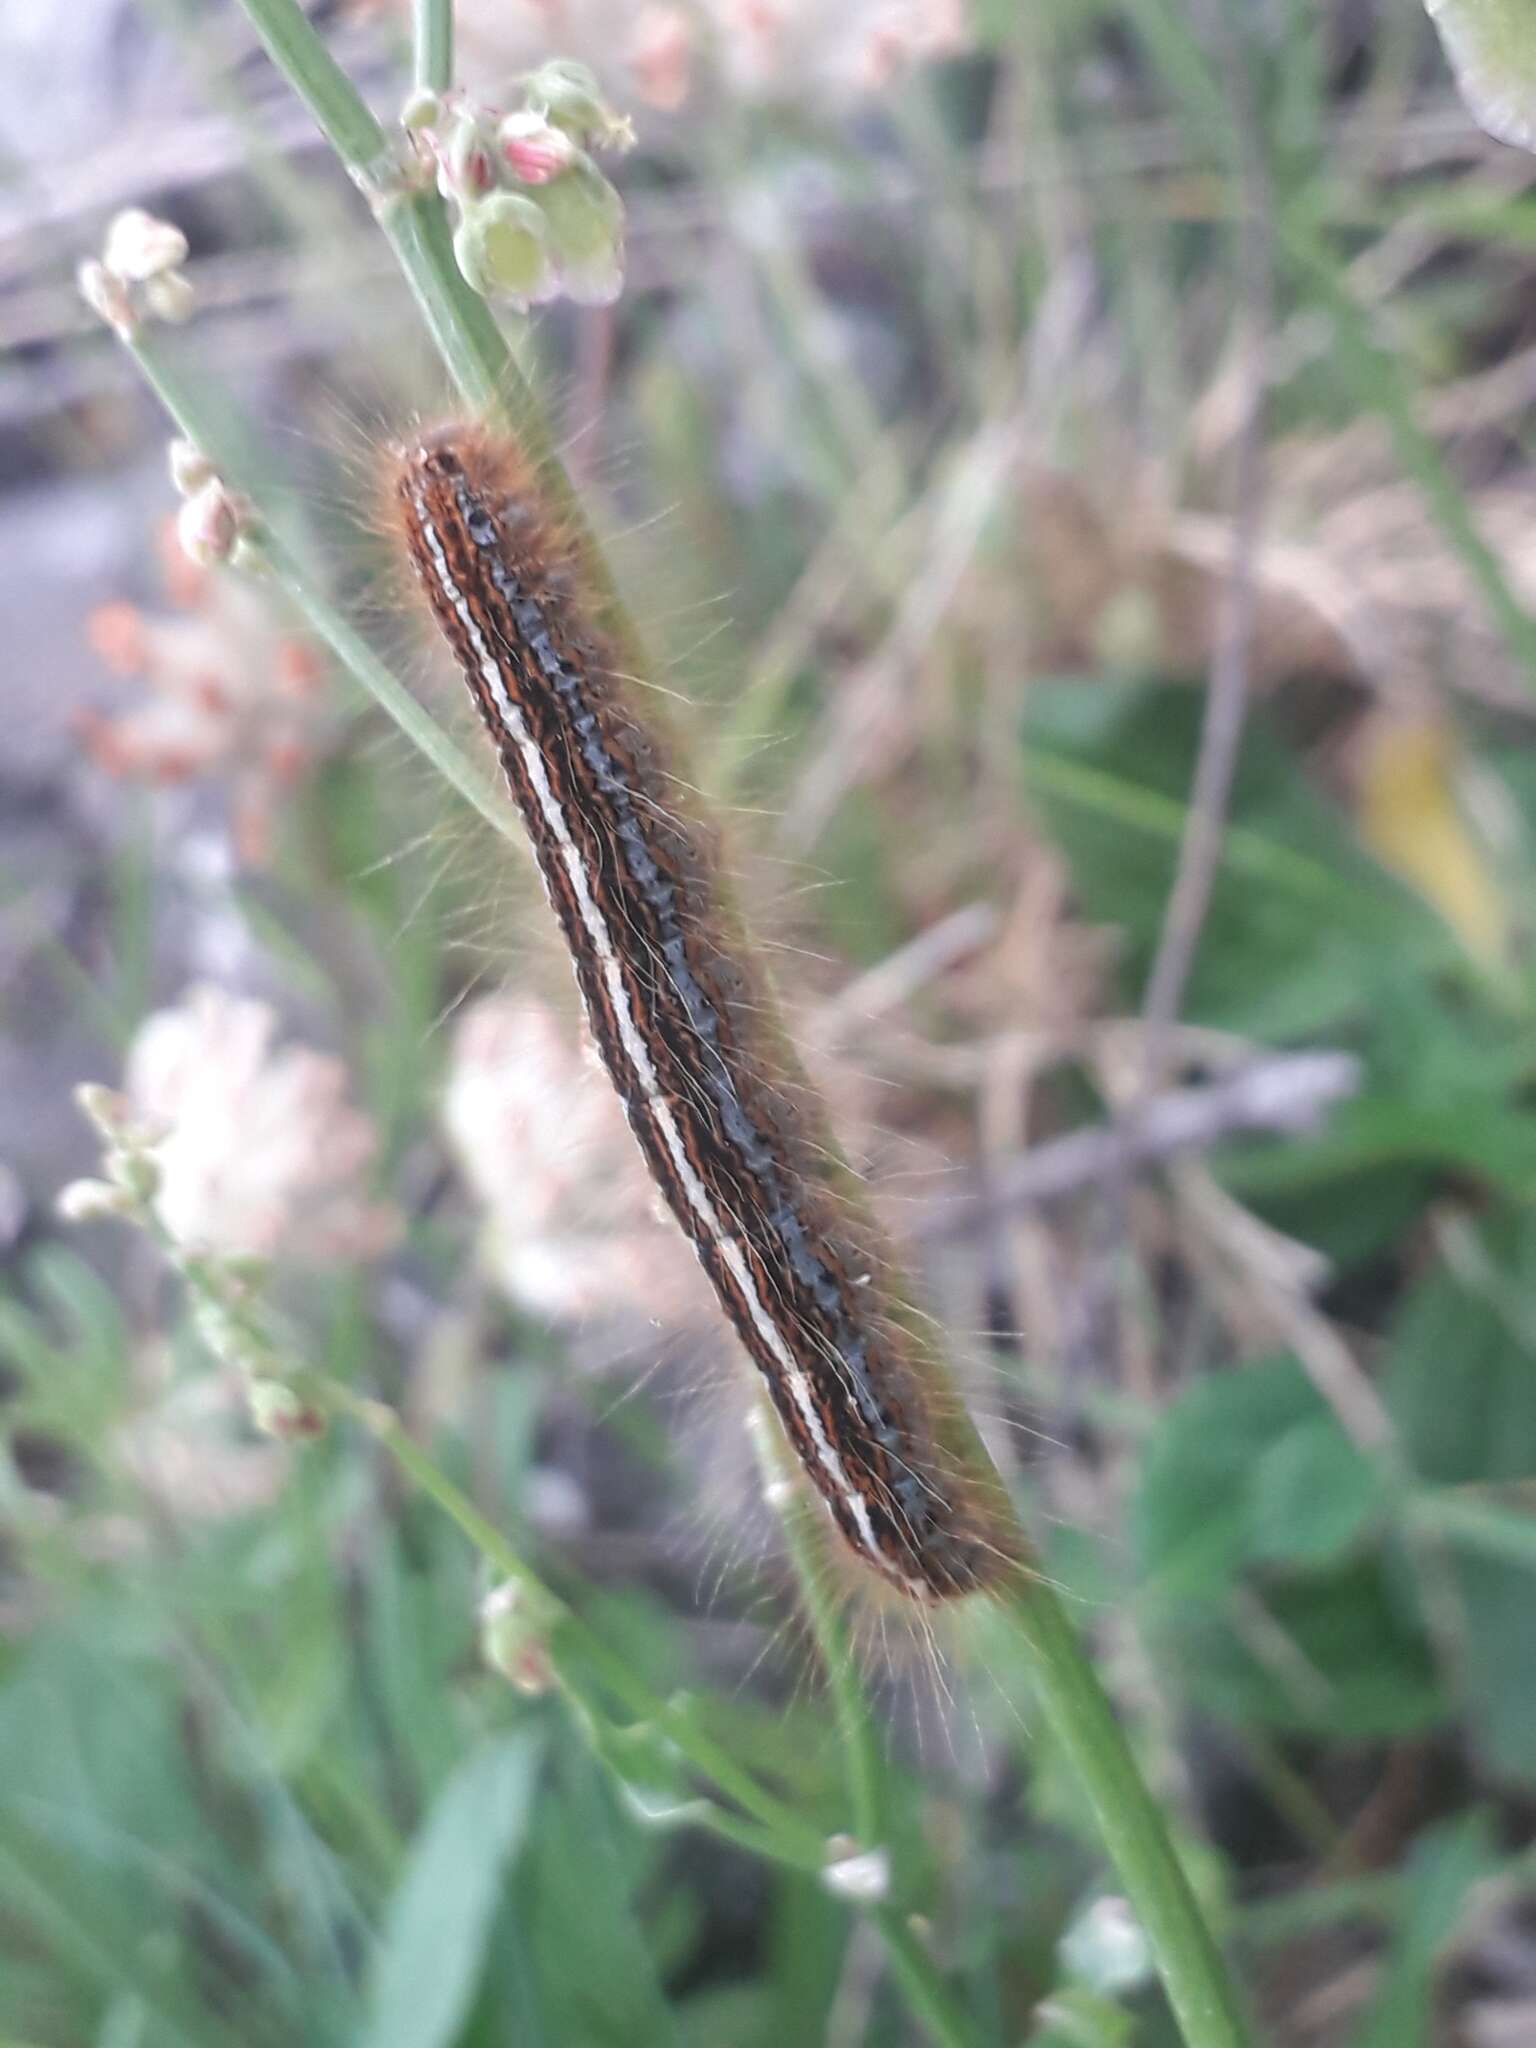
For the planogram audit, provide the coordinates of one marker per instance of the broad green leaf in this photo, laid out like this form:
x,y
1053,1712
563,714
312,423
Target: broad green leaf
x,y
1313,1493
432,1950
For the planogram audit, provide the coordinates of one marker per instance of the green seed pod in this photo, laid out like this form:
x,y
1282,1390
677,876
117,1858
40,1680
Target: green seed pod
x,y
585,218
502,245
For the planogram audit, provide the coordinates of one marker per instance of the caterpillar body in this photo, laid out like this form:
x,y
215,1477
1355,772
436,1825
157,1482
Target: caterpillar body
x,y
684,1025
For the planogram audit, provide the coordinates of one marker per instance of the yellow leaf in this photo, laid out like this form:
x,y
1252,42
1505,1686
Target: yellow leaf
x,y
1410,820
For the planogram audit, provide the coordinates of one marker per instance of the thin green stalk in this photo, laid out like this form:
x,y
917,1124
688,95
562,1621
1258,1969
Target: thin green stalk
x,y
920,1980
805,1532
340,111
473,348
433,26
1133,1828
804,1527
783,1826
200,424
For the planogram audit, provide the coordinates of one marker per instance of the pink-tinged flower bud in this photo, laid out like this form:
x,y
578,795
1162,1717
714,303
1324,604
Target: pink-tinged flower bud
x,y
465,166
569,97
502,245
140,247
585,217
189,466
208,525
107,297
535,151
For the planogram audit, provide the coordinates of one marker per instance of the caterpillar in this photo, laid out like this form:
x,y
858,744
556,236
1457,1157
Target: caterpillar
x,y
685,1025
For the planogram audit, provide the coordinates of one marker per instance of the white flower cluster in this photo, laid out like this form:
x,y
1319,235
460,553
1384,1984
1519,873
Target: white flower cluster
x,y
572,1225
242,1151
139,271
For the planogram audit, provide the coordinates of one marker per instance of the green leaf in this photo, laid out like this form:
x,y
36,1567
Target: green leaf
x,y
1192,1519
1313,1492
1303,925
432,1950
1460,1373
1257,1597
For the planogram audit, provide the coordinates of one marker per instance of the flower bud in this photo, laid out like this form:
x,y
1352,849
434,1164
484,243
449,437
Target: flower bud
x,y
534,149
208,524
502,246
107,297
514,1636
139,246
466,170
189,466
422,110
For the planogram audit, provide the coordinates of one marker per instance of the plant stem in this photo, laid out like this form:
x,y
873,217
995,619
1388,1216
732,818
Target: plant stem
x,y
340,111
433,26
472,346
805,1843
1133,1828
920,1980
804,1532
200,424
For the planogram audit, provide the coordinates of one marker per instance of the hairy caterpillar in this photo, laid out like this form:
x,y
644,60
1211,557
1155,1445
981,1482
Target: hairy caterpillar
x,y
685,1027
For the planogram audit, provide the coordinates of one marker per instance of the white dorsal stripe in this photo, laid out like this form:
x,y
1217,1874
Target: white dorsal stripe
x,y
636,1050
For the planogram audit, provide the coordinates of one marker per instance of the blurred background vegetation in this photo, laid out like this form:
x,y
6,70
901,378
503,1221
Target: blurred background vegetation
x,y
979,376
